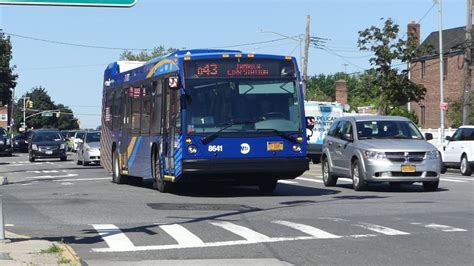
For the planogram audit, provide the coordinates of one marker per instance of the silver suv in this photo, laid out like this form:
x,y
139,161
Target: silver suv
x,y
373,149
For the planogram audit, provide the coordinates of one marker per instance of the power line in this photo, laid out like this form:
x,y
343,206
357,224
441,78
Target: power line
x,y
73,44
251,43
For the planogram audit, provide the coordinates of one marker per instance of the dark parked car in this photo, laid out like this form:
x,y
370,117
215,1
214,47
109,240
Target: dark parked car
x,y
47,144
20,142
6,147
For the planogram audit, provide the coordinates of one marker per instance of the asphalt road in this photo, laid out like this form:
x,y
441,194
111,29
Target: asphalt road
x,y
302,223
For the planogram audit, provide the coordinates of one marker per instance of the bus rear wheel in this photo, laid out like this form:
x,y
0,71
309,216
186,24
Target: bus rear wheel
x,y
158,182
268,186
117,177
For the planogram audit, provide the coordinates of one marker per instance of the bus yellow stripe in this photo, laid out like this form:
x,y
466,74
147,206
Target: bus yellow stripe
x,y
155,67
131,146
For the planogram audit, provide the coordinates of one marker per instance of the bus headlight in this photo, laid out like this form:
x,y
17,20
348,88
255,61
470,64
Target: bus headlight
x,y
296,147
192,149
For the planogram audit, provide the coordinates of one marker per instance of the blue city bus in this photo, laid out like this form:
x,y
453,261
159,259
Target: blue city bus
x,y
204,115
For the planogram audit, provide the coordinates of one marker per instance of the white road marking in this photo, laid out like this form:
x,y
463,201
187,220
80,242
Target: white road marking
x,y
333,219
9,225
458,177
287,182
67,183
444,228
309,179
310,230
182,235
249,234
84,179
382,229
50,176
452,180
20,164
114,237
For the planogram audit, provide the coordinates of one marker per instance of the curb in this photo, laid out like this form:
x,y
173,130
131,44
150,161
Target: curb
x,y
70,254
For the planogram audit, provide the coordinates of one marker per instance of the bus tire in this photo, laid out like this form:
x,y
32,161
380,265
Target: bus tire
x,y
158,182
117,177
268,186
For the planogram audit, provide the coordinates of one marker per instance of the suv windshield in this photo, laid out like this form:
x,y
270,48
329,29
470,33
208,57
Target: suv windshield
x,y
47,136
387,130
269,104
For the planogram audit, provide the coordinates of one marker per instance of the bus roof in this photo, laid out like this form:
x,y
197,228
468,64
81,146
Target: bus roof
x,y
121,72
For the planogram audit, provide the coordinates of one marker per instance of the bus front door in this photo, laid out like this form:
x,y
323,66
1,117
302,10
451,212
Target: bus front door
x,y
171,115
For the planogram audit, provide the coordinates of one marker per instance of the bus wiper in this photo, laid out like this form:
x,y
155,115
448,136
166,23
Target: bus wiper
x,y
206,140
281,134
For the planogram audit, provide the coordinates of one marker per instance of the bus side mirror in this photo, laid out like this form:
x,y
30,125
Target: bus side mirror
x,y
173,82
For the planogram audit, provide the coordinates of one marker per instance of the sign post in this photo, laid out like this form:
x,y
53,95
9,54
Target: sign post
x,y
91,3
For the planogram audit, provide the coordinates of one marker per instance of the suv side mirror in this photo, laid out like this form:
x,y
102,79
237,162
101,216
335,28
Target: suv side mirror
x,y
428,136
347,137
449,138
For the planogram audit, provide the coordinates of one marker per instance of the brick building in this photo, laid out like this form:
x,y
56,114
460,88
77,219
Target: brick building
x,y
425,70
4,116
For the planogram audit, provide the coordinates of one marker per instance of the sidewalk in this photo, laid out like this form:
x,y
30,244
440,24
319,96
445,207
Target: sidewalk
x,y
22,250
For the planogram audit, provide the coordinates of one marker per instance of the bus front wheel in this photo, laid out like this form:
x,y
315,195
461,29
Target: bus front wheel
x,y
117,177
158,182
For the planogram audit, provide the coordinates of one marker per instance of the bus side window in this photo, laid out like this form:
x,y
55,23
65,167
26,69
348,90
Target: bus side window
x,y
146,109
157,94
117,110
136,110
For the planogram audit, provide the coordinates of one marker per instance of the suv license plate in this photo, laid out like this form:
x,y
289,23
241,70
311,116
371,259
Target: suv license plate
x,y
408,168
49,152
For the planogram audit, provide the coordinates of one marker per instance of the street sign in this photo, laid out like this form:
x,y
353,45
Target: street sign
x,y
101,3
47,114
443,106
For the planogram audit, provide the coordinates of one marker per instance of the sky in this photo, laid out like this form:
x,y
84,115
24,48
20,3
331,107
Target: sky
x,y
73,75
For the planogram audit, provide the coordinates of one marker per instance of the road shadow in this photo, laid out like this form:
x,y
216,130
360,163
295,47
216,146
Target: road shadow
x,y
385,187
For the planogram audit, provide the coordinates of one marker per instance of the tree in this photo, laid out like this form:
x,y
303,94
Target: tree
x,y
454,113
392,86
42,102
145,55
7,78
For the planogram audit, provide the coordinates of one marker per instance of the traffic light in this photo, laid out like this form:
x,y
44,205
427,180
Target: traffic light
x,y
29,104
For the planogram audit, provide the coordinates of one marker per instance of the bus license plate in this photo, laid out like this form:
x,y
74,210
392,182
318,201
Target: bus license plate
x,y
408,168
274,146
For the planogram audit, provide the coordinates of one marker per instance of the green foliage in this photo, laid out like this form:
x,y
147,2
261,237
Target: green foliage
x,y
403,111
7,78
53,249
145,55
41,102
391,85
454,113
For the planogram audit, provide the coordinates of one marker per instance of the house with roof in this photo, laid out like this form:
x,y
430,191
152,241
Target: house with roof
x,y
425,69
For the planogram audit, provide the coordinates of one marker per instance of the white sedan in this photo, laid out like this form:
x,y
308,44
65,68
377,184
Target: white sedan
x,y
88,149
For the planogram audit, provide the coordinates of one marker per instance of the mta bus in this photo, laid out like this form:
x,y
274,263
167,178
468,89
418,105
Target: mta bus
x,y
324,114
204,115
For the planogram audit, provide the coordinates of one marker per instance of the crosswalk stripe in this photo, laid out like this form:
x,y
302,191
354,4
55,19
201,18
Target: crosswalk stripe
x,y
310,230
309,179
287,182
182,235
452,180
382,229
441,227
249,234
114,237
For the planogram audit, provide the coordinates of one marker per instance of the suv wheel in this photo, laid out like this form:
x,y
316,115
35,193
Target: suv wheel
x,y
32,159
465,167
358,181
430,186
329,179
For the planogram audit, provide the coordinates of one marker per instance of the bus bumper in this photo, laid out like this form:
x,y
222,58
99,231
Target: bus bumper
x,y
280,168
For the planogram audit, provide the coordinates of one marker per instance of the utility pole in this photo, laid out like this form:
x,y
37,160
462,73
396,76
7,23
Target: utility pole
x,y
441,69
24,110
306,53
466,107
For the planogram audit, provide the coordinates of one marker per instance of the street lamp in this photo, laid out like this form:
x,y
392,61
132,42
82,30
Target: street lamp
x,y
298,38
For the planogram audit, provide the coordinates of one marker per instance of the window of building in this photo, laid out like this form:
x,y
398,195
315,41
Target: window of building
x,y
445,67
423,115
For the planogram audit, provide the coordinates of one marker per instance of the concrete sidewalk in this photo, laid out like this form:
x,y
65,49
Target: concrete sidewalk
x,y
22,250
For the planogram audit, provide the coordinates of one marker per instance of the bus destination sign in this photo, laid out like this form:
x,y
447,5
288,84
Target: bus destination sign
x,y
233,69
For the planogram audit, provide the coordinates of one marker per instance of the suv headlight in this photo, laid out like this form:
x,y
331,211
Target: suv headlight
x,y
8,142
375,155
34,147
62,146
432,155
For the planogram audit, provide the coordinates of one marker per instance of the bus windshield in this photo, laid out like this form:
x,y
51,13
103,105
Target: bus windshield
x,y
252,105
